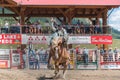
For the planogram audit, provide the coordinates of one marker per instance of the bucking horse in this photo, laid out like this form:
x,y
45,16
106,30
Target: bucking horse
x,y
60,56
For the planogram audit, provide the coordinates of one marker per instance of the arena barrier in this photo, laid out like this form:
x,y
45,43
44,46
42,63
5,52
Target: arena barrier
x,y
4,58
89,61
110,61
43,61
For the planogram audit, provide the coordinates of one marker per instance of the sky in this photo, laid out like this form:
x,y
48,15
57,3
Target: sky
x,y
114,18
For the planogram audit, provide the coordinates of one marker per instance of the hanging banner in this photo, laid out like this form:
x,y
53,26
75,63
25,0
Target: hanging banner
x,y
38,39
101,39
10,38
79,40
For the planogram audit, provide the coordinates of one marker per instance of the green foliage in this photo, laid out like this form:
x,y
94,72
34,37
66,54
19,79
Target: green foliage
x,y
115,33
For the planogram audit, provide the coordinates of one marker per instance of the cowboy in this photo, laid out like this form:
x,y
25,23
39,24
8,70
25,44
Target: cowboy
x,y
63,33
54,30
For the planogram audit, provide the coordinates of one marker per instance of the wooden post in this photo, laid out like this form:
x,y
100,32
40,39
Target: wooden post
x,y
104,17
22,16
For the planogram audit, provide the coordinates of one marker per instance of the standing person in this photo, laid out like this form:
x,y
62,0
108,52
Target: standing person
x,y
85,55
116,52
24,58
111,55
37,58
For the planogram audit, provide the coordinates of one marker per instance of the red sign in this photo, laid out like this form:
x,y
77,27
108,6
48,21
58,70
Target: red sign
x,y
10,39
3,64
101,39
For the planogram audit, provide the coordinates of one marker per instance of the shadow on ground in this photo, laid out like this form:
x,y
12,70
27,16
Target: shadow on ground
x,y
45,78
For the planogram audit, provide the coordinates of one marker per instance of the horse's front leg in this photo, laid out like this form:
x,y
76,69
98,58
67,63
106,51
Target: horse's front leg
x,y
56,70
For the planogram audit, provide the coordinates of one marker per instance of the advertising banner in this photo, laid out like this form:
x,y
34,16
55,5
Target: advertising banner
x,y
101,39
110,65
79,40
38,39
4,58
3,63
10,38
24,39
15,59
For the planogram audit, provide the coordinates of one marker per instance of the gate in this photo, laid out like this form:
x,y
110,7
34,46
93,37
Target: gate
x,y
87,61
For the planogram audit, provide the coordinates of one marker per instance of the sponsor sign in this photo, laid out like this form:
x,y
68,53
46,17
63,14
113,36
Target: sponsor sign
x,y
90,66
24,39
4,58
110,65
3,64
15,59
79,40
101,39
10,38
38,39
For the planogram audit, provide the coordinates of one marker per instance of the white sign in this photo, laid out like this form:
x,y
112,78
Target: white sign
x,y
38,39
90,66
24,39
79,40
15,59
110,66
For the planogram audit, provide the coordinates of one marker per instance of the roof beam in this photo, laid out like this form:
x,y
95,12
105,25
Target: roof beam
x,y
11,2
8,15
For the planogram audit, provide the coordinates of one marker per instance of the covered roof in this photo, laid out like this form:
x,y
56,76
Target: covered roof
x,y
68,2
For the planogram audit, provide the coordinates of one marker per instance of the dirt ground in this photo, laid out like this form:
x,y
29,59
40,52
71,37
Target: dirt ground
x,y
14,74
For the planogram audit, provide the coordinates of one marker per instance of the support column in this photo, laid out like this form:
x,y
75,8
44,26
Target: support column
x,y
104,17
105,28
22,16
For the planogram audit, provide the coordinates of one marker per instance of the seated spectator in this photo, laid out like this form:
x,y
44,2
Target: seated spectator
x,y
116,52
97,28
78,22
39,28
82,28
31,30
91,29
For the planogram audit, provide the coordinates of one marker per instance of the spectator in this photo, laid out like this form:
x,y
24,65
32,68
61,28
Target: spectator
x,y
24,59
116,51
37,58
111,55
6,26
78,22
78,50
41,54
39,28
82,28
97,28
85,55
47,25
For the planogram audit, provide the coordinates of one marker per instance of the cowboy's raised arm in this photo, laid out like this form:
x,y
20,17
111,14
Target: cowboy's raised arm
x,y
52,25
